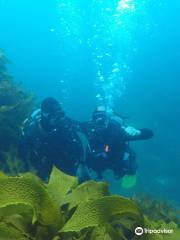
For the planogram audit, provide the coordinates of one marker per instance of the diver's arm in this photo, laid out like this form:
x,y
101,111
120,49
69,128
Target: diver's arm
x,y
25,145
146,134
132,134
24,150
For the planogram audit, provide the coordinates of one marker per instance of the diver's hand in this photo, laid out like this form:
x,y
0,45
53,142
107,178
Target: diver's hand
x,y
132,131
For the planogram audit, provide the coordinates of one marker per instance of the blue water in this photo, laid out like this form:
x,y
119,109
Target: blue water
x,y
124,54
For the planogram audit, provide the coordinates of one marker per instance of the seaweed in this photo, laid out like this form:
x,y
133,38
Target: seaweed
x,y
64,210
158,209
15,106
3,62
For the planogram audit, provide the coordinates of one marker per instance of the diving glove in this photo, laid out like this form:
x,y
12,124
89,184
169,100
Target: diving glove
x,y
132,131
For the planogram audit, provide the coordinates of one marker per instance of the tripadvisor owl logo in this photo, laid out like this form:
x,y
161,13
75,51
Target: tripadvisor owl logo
x,y
139,231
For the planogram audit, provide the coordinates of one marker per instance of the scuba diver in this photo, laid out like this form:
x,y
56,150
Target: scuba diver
x,y
50,138
109,140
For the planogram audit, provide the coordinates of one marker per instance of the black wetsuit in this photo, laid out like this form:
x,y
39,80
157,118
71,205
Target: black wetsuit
x,y
60,147
109,148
